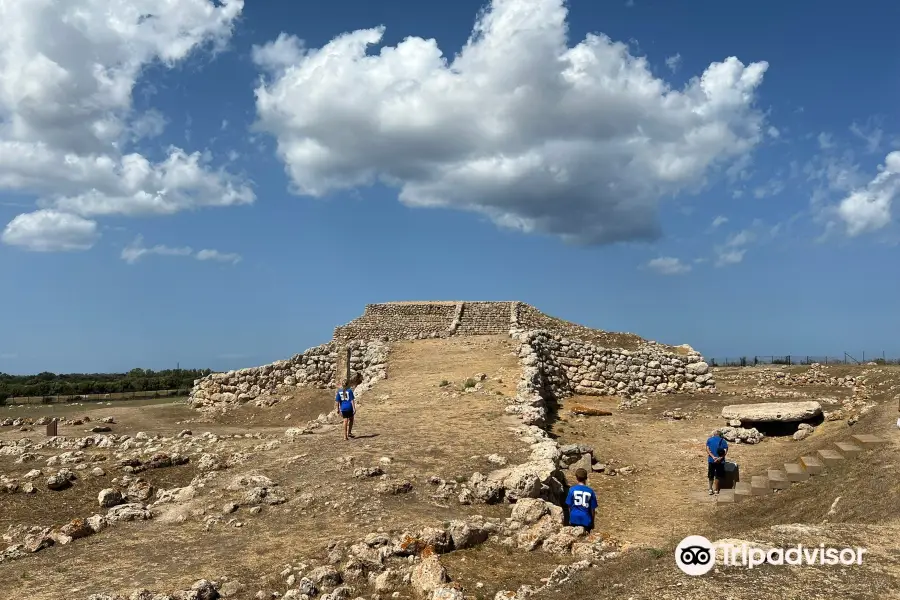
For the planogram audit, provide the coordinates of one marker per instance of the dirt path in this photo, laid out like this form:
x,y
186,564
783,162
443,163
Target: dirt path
x,y
424,428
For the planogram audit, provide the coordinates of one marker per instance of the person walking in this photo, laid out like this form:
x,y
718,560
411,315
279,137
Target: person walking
x,y
716,449
582,502
346,407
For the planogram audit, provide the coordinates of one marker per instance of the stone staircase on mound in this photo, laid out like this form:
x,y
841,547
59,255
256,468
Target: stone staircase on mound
x,y
814,465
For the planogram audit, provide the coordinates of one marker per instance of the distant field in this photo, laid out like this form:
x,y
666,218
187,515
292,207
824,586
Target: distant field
x,y
61,399
36,411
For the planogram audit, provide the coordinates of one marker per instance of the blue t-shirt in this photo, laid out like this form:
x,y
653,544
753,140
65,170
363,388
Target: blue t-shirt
x,y
582,501
344,398
715,444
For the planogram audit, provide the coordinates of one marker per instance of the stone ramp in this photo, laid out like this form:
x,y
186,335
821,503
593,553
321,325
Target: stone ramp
x,y
795,472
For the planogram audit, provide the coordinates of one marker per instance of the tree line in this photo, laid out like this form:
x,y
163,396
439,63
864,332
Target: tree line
x,y
136,380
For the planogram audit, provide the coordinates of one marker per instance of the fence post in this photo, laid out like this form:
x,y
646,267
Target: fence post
x,y
864,356
789,360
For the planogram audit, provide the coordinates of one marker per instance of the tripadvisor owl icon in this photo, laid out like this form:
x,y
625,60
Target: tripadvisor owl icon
x,y
695,555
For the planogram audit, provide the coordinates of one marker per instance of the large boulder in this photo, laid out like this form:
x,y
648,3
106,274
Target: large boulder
x,y
768,412
534,479
428,575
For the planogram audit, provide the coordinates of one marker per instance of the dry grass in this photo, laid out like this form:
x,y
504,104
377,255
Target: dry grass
x,y
426,429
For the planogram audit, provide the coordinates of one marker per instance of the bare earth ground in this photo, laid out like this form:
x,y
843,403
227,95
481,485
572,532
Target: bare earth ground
x,y
426,430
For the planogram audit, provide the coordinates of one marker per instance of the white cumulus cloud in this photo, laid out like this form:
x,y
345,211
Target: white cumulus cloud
x,y
668,265
50,231
868,208
67,73
577,141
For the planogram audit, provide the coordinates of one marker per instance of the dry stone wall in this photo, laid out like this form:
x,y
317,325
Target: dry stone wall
x,y
566,358
315,368
400,321
569,367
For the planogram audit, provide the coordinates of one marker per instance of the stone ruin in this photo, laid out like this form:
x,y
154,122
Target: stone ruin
x,y
569,358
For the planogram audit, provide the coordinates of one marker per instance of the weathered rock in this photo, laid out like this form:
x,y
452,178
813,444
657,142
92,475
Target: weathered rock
x,y
742,435
428,575
325,576
77,528
394,487
109,497
466,535
128,512
529,510
388,581
445,592
804,430
767,412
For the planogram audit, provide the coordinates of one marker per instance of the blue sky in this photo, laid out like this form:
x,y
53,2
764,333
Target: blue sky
x,y
748,215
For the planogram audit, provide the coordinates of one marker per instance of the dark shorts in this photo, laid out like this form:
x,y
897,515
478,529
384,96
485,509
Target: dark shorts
x,y
347,414
716,470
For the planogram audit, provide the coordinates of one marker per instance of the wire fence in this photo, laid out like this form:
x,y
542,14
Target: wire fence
x,y
803,359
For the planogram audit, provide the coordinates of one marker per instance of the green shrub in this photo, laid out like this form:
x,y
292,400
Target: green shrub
x,y
443,383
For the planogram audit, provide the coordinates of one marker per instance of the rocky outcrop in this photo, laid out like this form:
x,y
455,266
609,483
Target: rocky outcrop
x,y
772,412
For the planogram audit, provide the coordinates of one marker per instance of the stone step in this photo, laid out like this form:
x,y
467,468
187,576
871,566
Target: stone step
x,y
742,490
725,496
759,485
867,440
813,465
702,497
830,457
778,479
849,449
795,472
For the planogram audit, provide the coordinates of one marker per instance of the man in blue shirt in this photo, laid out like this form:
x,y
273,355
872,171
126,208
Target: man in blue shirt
x,y
346,407
716,449
582,502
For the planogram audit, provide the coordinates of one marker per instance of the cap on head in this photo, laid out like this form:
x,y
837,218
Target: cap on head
x,y
580,474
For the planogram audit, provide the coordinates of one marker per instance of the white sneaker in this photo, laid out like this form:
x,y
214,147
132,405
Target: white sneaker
x,y
711,492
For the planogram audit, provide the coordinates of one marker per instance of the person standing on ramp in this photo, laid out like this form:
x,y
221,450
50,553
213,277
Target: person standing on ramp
x,y
716,449
346,407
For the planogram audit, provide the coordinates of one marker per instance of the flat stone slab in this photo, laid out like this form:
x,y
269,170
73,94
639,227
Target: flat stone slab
x,y
795,472
813,465
771,412
867,440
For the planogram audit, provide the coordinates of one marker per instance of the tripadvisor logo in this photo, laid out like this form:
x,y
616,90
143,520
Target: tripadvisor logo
x,y
696,555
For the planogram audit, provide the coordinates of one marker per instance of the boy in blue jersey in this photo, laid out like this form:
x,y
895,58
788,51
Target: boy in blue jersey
x,y
346,407
582,502
716,449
